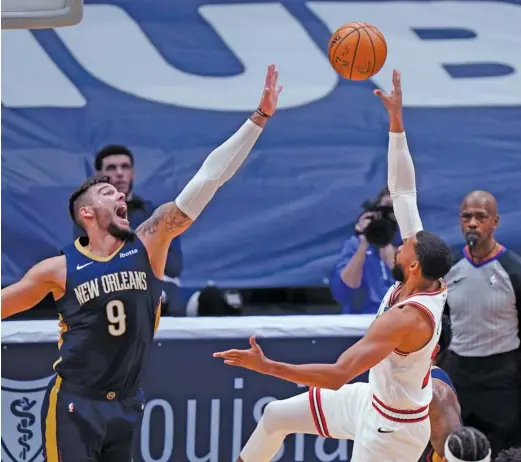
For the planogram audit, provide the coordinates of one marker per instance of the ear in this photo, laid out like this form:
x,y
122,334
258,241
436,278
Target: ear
x,y
86,211
414,266
495,222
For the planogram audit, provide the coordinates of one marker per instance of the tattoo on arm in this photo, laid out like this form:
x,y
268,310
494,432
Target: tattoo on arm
x,y
176,219
149,226
166,219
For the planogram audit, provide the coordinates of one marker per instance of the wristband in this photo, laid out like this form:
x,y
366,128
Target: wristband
x,y
263,114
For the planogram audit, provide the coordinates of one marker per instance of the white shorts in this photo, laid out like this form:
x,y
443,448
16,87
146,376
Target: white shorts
x,y
349,414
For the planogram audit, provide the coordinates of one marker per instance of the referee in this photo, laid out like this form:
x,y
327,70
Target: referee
x,y
484,304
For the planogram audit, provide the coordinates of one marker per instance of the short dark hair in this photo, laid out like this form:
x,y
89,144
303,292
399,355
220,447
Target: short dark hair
x,y
80,191
467,443
382,193
446,334
370,204
509,455
434,255
111,150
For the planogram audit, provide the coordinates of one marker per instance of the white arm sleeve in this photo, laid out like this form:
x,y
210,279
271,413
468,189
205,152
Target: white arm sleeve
x,y
402,185
218,168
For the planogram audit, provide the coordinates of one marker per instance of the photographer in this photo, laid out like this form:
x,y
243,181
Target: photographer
x,y
363,272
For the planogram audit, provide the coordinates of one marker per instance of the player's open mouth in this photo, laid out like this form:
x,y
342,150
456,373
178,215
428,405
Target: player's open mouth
x,y
121,212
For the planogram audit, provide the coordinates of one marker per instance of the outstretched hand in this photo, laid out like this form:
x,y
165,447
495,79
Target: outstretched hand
x,y
271,92
253,359
392,101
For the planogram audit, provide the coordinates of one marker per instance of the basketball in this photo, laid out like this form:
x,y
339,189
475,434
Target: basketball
x,y
357,51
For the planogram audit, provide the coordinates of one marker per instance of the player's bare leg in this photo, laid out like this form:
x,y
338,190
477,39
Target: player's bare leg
x,y
280,419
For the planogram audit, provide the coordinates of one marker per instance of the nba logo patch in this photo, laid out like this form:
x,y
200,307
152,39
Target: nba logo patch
x,y
493,280
71,407
21,419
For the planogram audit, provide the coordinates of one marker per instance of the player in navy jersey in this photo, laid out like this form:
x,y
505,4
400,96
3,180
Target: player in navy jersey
x,y
107,287
444,410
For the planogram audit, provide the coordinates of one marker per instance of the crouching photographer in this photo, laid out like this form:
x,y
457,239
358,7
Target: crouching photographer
x,y
362,275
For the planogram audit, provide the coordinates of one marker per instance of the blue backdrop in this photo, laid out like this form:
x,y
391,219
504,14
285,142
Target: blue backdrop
x,y
172,80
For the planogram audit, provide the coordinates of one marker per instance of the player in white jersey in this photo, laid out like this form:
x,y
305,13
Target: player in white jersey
x,y
387,417
397,378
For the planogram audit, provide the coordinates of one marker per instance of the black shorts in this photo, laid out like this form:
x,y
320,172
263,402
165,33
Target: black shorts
x,y
82,425
488,391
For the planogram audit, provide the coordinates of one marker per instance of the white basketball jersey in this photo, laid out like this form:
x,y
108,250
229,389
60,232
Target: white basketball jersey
x,y
401,384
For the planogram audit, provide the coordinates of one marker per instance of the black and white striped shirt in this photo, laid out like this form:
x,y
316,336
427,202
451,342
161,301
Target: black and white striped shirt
x,y
484,302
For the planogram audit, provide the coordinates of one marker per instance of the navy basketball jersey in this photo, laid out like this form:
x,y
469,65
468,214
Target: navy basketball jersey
x,y
107,316
430,455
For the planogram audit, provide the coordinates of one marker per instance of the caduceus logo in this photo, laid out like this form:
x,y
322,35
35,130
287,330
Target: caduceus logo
x,y
22,408
21,419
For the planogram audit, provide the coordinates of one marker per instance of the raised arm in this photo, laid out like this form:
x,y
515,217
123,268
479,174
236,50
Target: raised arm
x,y
44,277
401,176
175,217
392,330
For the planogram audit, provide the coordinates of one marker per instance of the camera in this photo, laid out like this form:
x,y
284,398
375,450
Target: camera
x,y
383,226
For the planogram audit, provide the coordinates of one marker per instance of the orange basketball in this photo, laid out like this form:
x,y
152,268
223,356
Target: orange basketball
x,y
357,51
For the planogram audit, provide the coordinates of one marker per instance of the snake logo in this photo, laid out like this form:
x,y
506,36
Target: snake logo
x,y
21,408
21,419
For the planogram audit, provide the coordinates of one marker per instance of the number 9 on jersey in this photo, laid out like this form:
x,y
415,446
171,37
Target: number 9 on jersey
x,y
116,318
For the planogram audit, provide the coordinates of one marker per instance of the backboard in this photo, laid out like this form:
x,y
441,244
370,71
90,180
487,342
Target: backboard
x,y
40,14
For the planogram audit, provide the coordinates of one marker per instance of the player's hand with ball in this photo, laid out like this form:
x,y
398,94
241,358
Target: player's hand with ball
x,y
253,359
